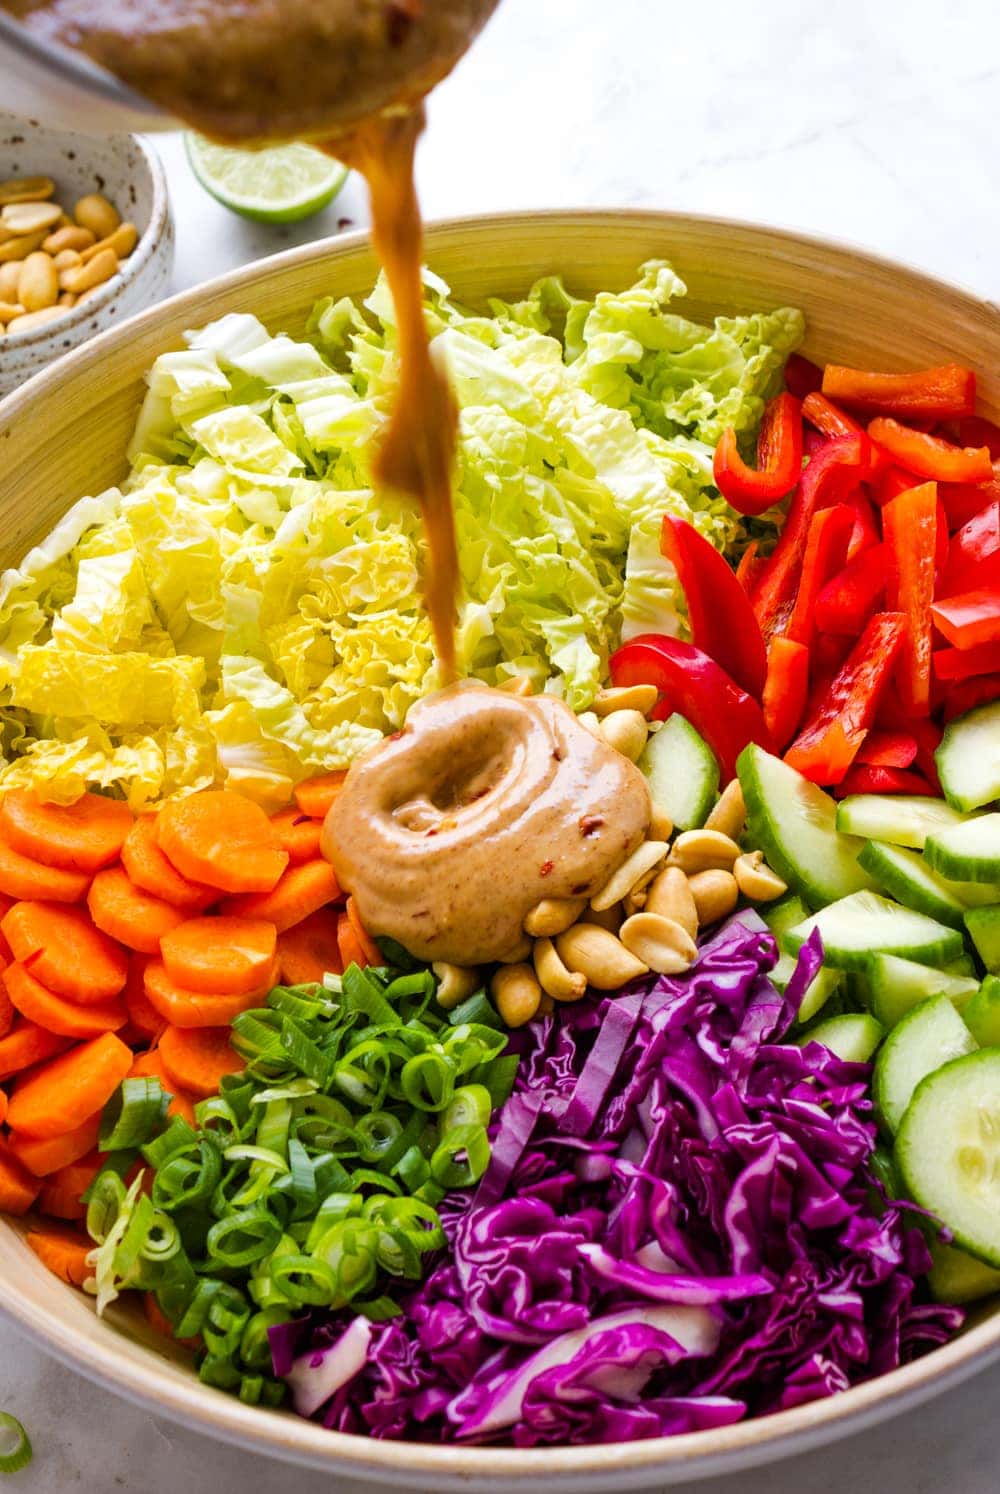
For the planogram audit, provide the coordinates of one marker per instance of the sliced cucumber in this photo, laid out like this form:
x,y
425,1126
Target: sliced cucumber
x,y
784,915
907,878
964,965
682,773
865,923
983,925
968,851
957,1277
853,1037
900,819
948,1148
929,1036
982,1015
819,990
968,759
795,824
896,986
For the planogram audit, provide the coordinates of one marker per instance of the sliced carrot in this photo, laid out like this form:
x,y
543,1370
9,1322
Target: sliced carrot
x,y
61,1094
63,949
310,949
185,1008
80,837
63,1251
151,1066
18,1189
27,1044
301,891
6,1009
57,1014
222,838
299,835
149,869
20,876
373,955
62,1192
222,955
125,912
196,1058
315,796
49,1154
351,952
142,1015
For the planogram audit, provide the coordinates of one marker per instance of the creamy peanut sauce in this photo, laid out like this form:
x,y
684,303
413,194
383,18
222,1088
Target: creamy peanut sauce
x,y
450,832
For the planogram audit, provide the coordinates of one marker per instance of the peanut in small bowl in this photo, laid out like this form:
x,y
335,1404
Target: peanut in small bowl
x,y
113,189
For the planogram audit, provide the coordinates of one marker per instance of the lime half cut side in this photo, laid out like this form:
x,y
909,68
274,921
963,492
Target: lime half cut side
x,y
280,185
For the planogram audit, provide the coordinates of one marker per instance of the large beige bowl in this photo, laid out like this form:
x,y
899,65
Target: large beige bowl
x,y
64,434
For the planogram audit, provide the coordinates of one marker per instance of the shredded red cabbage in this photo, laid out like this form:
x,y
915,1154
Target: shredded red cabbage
x,y
679,1228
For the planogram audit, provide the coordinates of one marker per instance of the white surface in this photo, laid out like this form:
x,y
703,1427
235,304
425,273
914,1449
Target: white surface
x,y
874,123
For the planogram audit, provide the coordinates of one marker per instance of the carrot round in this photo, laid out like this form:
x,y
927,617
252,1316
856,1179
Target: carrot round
x,y
315,796
21,877
149,869
222,838
301,891
151,1066
57,1014
79,837
185,1008
64,1252
50,1153
222,955
6,1009
309,950
144,1017
63,949
299,835
373,955
25,1045
63,1191
196,1058
126,913
61,1094
18,1189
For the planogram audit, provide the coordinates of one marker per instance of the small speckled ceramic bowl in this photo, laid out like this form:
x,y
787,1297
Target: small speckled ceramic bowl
x,y
128,172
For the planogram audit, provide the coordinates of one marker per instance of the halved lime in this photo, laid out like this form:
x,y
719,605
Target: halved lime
x,y
278,185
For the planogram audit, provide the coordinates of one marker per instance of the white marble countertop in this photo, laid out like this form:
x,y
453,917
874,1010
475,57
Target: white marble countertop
x,y
872,123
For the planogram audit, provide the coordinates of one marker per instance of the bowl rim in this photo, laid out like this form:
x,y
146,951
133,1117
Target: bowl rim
x,y
149,243
690,1455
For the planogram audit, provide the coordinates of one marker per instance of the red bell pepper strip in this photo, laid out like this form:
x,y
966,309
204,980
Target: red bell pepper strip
x,y
802,376
828,743
847,602
786,689
890,482
749,566
866,531
824,415
779,460
825,555
830,475
910,526
975,430
974,557
722,620
885,748
971,618
963,697
929,456
963,663
963,500
893,716
692,683
865,778
931,392
942,542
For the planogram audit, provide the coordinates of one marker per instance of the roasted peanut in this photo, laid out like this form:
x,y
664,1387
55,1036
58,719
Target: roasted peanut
x,y
755,878
517,684
72,237
455,983
633,902
121,243
552,915
640,698
599,956
9,276
659,942
520,952
730,812
633,873
96,213
9,310
20,246
556,980
26,189
86,277
38,282
32,320
66,259
661,826
670,896
626,732
516,993
715,894
29,217
703,850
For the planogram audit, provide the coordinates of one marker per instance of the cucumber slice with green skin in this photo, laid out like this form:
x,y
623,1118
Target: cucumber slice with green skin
x,y
899,819
865,924
967,852
982,1015
853,1037
964,965
948,1148
983,925
968,759
795,824
929,1036
957,1277
784,915
818,992
905,876
896,986
682,773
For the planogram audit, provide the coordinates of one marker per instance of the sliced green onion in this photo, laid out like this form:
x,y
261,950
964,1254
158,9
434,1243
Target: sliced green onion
x,y
244,1237
304,1053
15,1444
461,1158
162,1241
178,1137
428,1081
273,1126
412,1169
255,1346
295,1089
360,993
133,1114
243,1152
377,1134
378,1309
188,1179
470,1106
331,1211
218,1116
305,1280
349,1250
476,1008
222,1373
498,1077
420,983
107,1195
117,1162
193,1318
